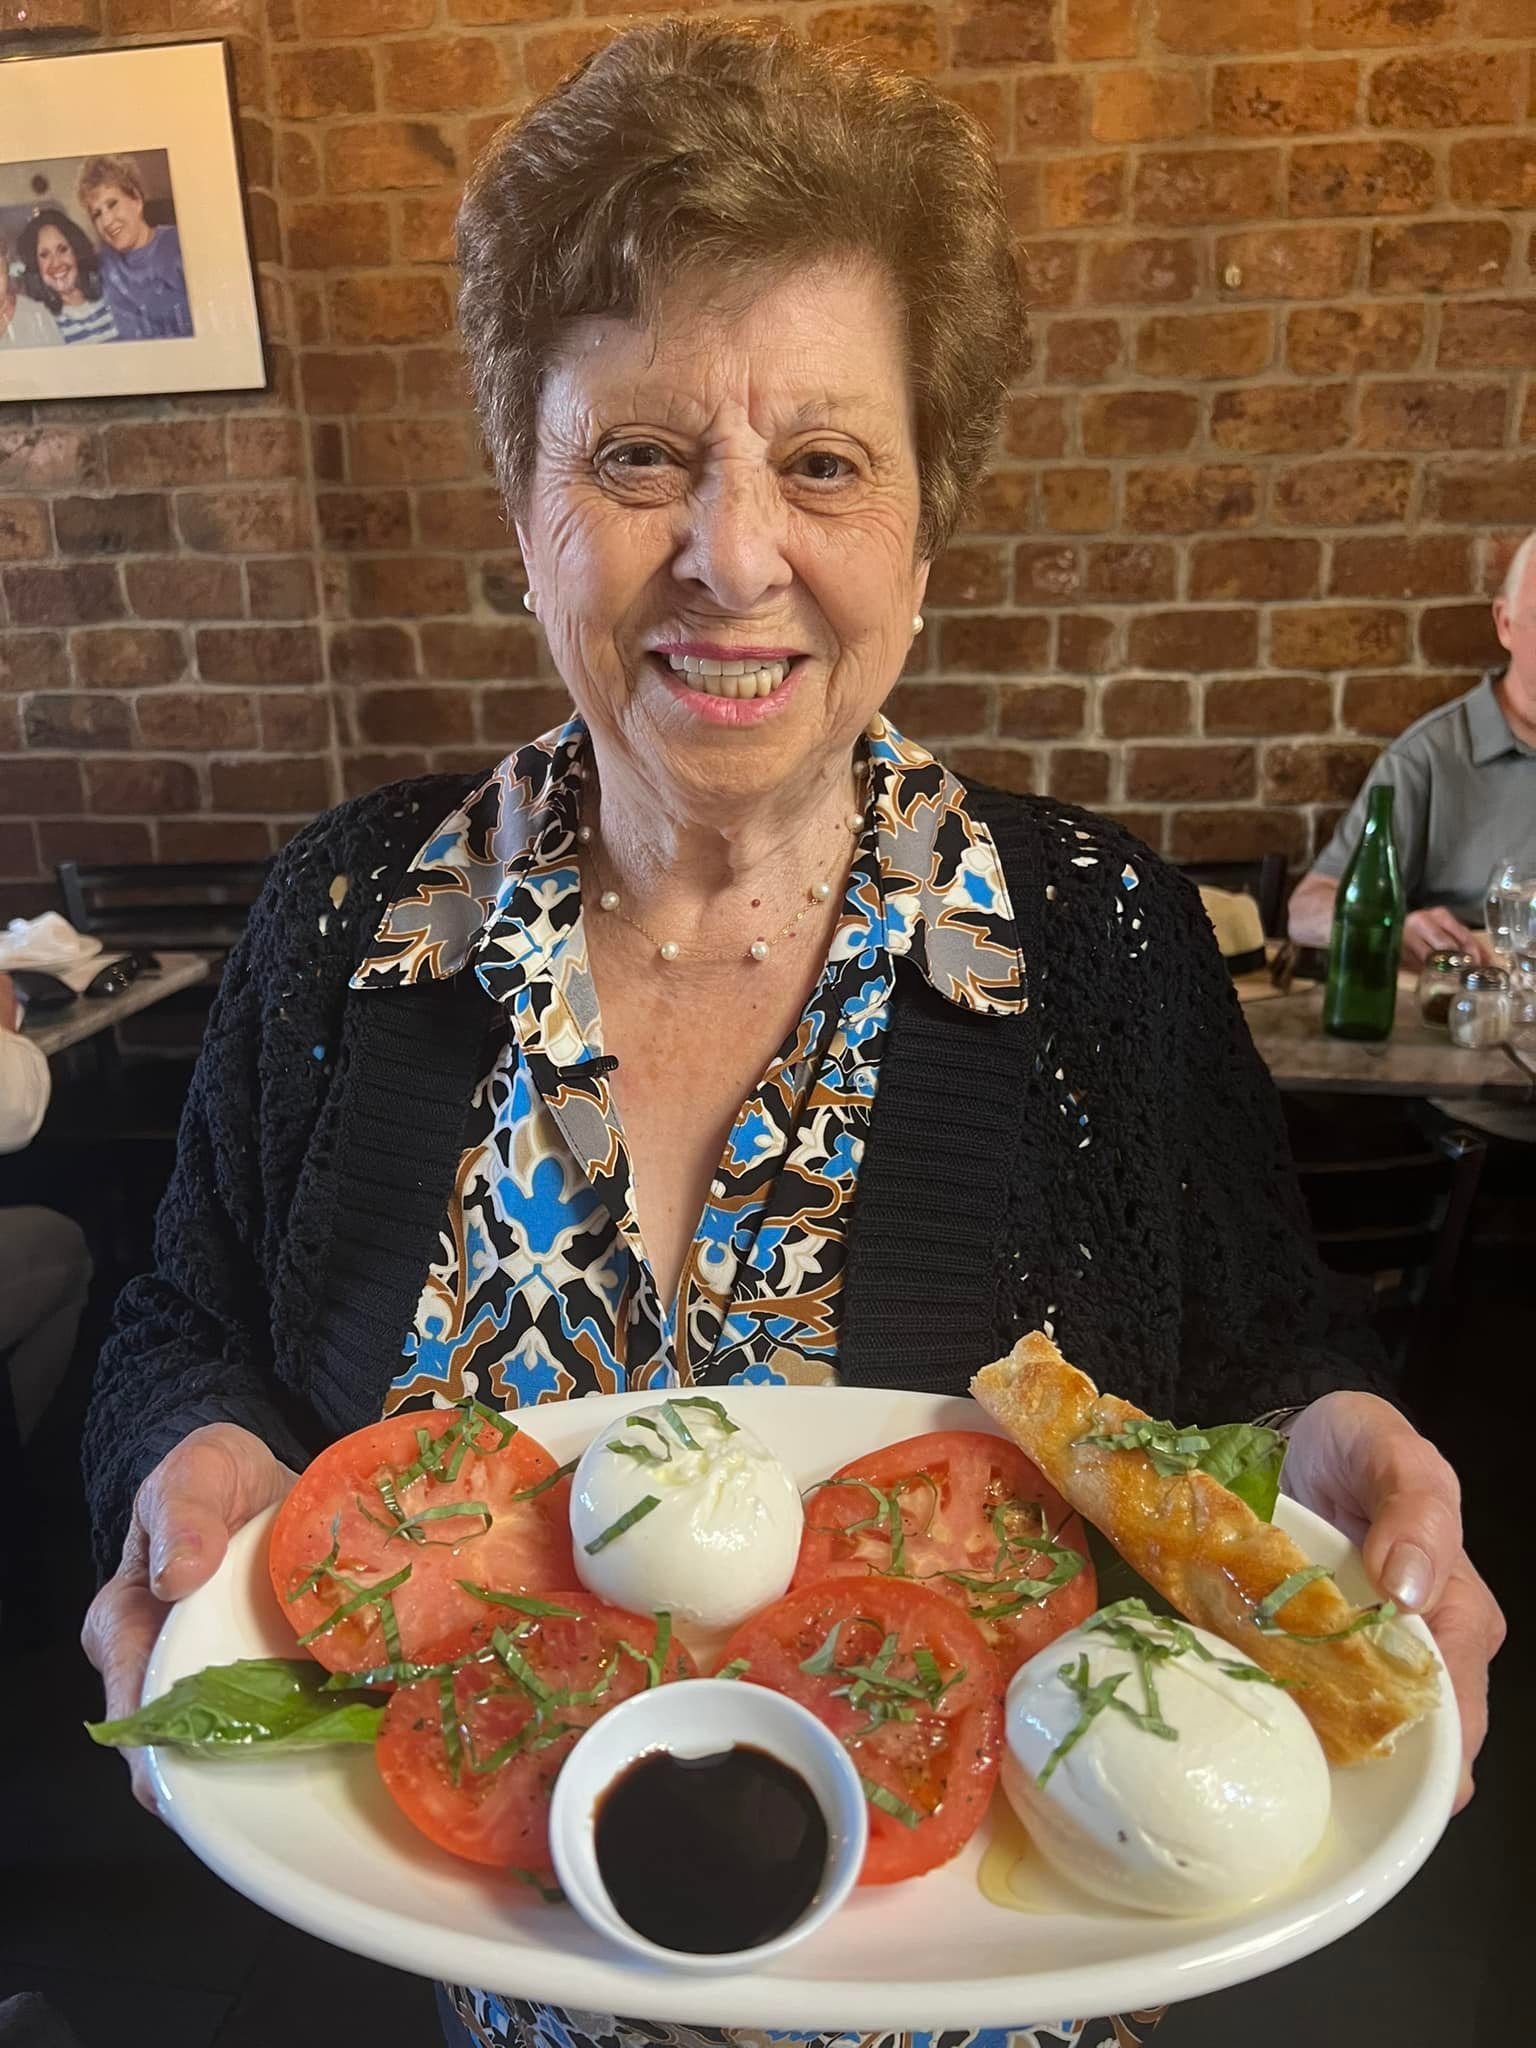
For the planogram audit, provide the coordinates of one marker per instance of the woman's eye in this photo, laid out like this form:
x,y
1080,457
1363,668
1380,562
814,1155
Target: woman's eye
x,y
637,455
822,466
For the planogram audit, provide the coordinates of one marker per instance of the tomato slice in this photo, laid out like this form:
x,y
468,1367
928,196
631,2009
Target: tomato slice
x,y
530,1685
405,1510
929,1776
977,1522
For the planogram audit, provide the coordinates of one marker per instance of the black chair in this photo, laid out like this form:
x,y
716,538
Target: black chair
x,y
179,906
1262,879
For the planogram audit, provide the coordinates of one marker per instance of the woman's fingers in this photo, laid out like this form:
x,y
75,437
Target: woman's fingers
x,y
121,1625
214,1481
1413,1499
1468,1629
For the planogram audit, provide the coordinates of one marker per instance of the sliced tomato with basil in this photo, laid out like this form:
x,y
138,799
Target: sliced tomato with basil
x,y
968,1515
904,1678
373,1549
470,1752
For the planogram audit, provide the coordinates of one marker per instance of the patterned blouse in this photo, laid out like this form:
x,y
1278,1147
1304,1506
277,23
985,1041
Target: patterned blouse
x,y
541,1289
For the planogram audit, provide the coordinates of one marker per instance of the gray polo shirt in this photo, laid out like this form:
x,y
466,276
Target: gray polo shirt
x,y
1465,797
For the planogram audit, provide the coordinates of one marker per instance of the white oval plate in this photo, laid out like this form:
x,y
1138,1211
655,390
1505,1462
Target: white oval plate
x,y
317,1841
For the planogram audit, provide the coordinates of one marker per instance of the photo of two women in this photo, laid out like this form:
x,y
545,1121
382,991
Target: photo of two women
x,y
89,252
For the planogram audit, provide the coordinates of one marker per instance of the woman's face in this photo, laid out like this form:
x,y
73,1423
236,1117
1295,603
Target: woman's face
x,y
56,263
738,482
118,217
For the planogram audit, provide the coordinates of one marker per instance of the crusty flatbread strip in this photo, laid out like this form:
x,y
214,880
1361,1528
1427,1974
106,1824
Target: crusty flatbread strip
x,y
1207,1552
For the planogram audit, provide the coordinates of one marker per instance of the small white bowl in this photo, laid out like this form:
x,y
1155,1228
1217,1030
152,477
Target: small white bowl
x,y
702,1717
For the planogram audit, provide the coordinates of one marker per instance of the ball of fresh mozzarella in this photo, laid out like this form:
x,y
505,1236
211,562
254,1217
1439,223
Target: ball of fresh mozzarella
x,y
722,1534
1216,1818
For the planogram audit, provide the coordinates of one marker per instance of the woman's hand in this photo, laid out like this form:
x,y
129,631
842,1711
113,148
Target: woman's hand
x,y
1365,1468
214,1481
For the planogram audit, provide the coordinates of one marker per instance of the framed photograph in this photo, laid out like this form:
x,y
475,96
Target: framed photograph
x,y
125,261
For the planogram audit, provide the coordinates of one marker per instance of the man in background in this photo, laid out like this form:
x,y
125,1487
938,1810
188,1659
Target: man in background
x,y
45,1269
1464,783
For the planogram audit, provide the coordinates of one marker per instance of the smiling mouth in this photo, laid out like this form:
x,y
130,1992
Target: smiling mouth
x,y
738,679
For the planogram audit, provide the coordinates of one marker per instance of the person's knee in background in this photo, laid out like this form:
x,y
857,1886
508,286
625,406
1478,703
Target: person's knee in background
x,y
45,1276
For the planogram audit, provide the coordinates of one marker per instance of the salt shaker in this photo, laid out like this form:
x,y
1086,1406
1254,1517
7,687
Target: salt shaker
x,y
1480,1009
1439,979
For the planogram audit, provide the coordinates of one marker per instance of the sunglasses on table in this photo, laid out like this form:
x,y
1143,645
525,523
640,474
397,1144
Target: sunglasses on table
x,y
121,974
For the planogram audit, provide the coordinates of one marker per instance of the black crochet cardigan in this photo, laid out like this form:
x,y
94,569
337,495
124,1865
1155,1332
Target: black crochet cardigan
x,y
1110,1165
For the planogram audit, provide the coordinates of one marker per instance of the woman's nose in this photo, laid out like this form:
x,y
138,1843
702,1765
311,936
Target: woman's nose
x,y
733,540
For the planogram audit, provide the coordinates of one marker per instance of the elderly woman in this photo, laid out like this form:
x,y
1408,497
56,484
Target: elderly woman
x,y
141,267
724,1034
63,273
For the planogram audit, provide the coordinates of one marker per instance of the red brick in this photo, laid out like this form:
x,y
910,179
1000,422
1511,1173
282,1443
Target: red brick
x,y
1183,188
295,722
986,100
1439,256
1289,263
312,83
502,585
1384,706
298,164
323,18
18,849
180,589
902,36
407,585
1251,567
443,75
1142,707
1336,341
255,519
338,234
259,654
1271,419
1344,494
257,157
288,782
412,451
95,839
1174,774
512,716
1487,492
264,446
427,227
995,645
1459,636
385,309
389,156
1316,771
1149,271
987,34
181,451
1047,572
1236,834
127,523
1142,105
470,519
1337,636
1043,711
40,789
77,594
1085,644
1360,177
430,716
34,661
547,58
141,788
923,711
1194,642
195,720
1190,499
25,535
1283,99
364,519
283,588
1004,503
1228,344
1011,768
1048,111
76,721
1261,705
966,575
1129,572
1448,89
41,458
1050,274
1488,334
1139,422
1077,500
1431,415
1362,24
199,839
372,654
1495,170
1083,351
1195,27
1036,426
462,650
1082,191
1099,28
128,657
1428,565
361,773
1078,775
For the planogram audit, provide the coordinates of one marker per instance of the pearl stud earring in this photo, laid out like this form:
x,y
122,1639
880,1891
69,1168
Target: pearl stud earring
x,y
918,622
528,603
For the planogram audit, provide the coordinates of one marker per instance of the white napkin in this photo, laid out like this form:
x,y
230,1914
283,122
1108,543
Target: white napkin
x,y
51,945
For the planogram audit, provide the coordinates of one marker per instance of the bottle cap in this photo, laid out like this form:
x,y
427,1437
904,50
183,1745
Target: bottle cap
x,y
1476,978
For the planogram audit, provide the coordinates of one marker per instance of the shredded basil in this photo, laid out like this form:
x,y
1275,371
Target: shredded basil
x,y
626,1521
728,1427
887,1801
363,1597
1171,1450
1264,1615
680,1429
543,1485
523,1603
1092,1700
737,1667
326,1566
654,1660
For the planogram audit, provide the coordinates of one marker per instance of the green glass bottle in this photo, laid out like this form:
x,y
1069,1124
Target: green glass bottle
x,y
1367,940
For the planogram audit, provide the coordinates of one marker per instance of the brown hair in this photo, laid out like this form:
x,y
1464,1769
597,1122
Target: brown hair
x,y
696,143
122,171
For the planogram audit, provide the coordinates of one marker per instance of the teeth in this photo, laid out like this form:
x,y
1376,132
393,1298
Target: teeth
x,y
738,679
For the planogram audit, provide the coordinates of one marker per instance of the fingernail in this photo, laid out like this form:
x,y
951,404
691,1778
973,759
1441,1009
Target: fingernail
x,y
176,1550
1408,1576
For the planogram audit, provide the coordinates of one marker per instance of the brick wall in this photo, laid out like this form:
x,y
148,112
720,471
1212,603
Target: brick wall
x,y
1278,438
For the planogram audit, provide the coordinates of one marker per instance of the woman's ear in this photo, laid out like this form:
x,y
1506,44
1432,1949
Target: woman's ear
x,y
920,585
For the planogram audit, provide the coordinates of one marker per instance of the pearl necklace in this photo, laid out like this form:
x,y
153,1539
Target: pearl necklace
x,y
668,950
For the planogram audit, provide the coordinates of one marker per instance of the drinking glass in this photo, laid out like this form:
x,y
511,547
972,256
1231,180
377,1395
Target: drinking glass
x,y
1508,904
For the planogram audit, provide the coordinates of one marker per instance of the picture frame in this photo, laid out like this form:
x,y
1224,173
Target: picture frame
x,y
125,252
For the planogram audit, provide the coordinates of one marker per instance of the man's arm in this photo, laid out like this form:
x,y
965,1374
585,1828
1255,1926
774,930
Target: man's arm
x,y
1310,919
24,1082
1425,931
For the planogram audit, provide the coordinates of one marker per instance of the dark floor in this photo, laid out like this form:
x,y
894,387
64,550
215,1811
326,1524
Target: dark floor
x,y
134,1942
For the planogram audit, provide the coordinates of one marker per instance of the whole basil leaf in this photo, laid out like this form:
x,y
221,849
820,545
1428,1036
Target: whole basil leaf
x,y
260,1706
1246,1460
